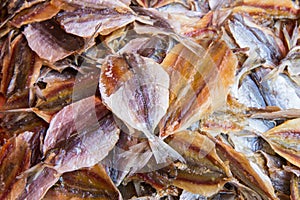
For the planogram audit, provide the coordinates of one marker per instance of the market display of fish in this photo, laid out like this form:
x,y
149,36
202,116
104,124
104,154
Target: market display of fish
x,y
160,99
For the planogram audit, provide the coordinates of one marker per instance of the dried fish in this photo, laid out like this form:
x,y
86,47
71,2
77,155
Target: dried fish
x,y
36,13
156,18
158,3
51,42
103,4
18,122
130,158
84,149
90,183
10,8
205,172
140,87
65,89
87,21
38,182
72,119
195,86
279,91
284,9
216,5
19,51
21,71
89,145
284,139
14,159
53,98
295,188
245,192
248,34
162,99
278,115
249,94
246,171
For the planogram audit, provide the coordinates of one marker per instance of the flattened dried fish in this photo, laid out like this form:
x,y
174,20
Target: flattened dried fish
x,y
10,8
86,22
63,89
72,119
284,139
278,91
21,71
39,181
90,183
205,172
136,90
156,18
70,5
282,9
36,13
157,3
198,84
248,34
14,159
18,122
54,97
246,171
295,188
86,148
117,93
51,42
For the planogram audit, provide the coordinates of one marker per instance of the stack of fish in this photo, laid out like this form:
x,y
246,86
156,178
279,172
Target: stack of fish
x,y
160,99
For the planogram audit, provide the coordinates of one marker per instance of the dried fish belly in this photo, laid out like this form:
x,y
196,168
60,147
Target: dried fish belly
x,y
162,99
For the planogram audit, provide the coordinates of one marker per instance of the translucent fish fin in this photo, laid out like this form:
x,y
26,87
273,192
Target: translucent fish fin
x,y
163,152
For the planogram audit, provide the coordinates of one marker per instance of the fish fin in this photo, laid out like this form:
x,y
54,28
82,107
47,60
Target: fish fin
x,y
163,152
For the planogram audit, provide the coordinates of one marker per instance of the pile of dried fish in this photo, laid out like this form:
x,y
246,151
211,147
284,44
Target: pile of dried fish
x,y
168,99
